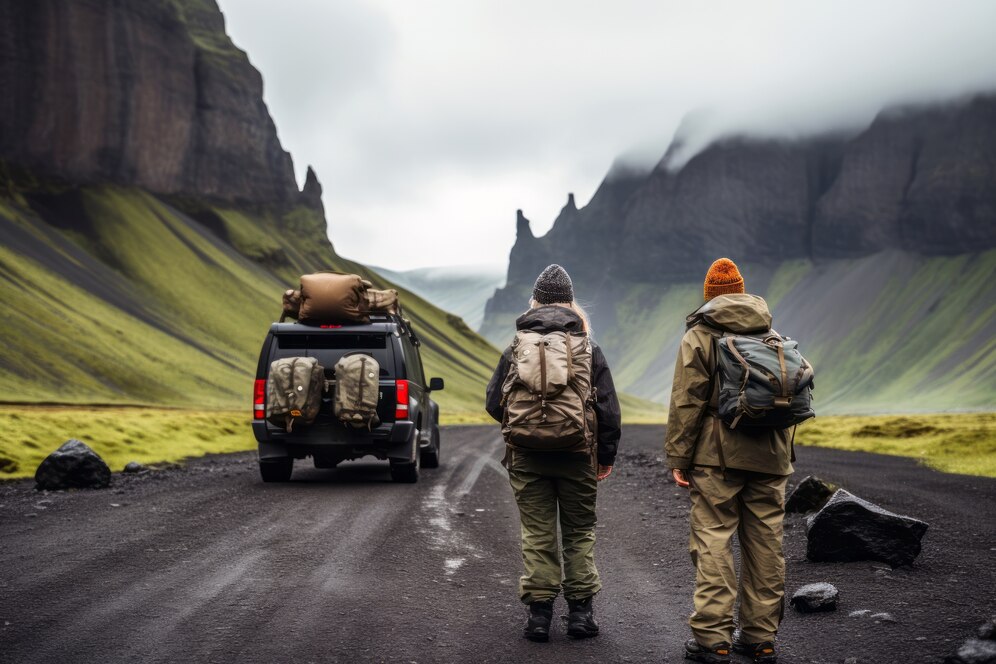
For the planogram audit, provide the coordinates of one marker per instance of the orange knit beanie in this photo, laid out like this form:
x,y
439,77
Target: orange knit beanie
x,y
722,278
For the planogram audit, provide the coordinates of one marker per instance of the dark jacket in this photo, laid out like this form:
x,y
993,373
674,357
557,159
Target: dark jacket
x,y
555,318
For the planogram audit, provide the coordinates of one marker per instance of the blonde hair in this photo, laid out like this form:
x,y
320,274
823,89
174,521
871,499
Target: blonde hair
x,y
572,305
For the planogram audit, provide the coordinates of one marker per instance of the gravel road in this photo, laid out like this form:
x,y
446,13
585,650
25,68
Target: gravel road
x,y
204,563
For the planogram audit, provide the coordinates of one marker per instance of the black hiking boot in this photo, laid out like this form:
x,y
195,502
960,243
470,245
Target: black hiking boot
x,y
581,621
538,626
763,652
716,654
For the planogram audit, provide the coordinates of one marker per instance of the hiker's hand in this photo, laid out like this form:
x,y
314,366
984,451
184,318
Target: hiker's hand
x,y
603,472
679,477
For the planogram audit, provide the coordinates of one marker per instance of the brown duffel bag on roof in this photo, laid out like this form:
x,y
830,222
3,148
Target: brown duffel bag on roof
x,y
329,296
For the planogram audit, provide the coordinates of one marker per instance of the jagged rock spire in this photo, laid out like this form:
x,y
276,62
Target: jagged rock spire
x,y
522,228
311,194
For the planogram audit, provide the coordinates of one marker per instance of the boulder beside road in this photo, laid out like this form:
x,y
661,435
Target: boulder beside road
x,y
849,529
73,466
811,494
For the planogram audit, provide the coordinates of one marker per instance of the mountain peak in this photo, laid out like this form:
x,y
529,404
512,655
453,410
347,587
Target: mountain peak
x,y
311,193
522,228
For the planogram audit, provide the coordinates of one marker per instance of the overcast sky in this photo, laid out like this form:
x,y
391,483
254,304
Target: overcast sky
x,y
429,123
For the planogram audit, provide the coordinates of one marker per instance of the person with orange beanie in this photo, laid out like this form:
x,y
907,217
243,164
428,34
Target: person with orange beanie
x,y
736,481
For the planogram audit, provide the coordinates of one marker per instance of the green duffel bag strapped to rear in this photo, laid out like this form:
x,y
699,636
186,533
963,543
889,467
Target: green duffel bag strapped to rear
x,y
294,390
764,382
357,390
547,396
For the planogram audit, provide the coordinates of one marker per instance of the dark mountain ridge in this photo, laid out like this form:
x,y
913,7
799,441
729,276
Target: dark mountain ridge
x,y
920,180
878,250
150,219
149,94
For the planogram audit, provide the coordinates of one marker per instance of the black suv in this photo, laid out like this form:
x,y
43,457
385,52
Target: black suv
x,y
408,434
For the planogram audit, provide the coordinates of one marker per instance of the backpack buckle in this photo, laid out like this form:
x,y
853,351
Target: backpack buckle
x,y
783,402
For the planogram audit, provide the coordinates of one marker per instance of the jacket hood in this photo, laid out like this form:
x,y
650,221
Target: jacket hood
x,y
550,318
739,313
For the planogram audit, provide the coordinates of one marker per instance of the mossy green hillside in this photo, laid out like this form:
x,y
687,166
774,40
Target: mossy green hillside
x,y
954,443
892,332
136,302
118,435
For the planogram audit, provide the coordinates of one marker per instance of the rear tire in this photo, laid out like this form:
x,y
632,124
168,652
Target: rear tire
x,y
430,455
278,470
406,472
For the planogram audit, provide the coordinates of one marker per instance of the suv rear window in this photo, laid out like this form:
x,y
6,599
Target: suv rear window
x,y
329,348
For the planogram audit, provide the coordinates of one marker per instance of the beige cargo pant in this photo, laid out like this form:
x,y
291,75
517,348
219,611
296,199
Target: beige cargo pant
x,y
552,487
752,505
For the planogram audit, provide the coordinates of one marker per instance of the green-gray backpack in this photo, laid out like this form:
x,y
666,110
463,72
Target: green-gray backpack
x,y
764,382
294,391
357,390
547,395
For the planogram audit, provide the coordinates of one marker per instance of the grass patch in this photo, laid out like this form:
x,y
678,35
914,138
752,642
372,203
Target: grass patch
x,y
118,435
953,443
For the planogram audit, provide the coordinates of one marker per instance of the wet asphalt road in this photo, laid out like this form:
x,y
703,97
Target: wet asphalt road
x,y
206,564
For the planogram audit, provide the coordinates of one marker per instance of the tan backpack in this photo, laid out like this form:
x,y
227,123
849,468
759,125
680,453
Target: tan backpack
x,y
331,297
547,395
294,390
357,390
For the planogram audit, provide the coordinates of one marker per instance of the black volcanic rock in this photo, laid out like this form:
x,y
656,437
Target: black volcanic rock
x,y
815,598
848,529
74,465
811,494
152,94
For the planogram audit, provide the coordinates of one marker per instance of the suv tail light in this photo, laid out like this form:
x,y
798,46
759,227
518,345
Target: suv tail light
x,y
401,409
259,399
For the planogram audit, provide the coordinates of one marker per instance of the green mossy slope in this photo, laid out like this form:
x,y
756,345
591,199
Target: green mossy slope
x,y
111,295
893,332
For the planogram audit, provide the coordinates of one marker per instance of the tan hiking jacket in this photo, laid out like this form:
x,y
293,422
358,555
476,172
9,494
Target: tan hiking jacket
x,y
695,435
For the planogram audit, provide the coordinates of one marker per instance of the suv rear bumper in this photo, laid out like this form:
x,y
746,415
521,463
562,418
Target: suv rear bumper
x,y
391,440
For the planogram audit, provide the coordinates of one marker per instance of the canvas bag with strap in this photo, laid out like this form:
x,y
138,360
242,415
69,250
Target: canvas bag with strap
x,y
547,396
764,382
294,390
384,301
357,390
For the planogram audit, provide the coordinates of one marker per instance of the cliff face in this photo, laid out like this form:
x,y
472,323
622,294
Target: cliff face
x,y
920,180
148,211
150,94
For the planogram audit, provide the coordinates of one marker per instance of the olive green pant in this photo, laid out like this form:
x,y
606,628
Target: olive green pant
x,y
752,505
548,484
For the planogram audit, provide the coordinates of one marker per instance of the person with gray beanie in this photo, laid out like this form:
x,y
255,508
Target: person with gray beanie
x,y
553,394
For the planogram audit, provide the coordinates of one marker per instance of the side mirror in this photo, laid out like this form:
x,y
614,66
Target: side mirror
x,y
435,384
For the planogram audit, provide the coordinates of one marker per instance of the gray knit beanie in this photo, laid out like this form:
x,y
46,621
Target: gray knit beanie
x,y
553,285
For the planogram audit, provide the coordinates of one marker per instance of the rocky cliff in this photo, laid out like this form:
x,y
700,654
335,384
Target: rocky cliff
x,y
876,249
149,217
150,94
922,180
